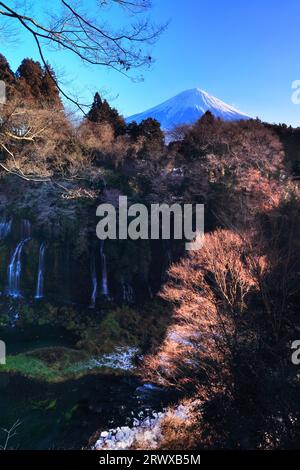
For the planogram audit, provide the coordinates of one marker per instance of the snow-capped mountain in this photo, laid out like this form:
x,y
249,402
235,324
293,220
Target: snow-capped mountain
x,y
188,107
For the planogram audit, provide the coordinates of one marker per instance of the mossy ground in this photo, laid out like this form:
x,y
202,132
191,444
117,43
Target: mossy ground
x,y
94,336
54,365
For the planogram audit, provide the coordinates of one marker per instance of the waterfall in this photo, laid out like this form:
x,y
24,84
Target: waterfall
x,y
15,265
5,228
40,279
25,229
128,294
94,283
14,270
150,292
104,285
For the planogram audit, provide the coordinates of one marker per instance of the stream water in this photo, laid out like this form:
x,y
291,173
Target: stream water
x,y
66,415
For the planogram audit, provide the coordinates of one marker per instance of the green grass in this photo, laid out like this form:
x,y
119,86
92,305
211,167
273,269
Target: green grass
x,y
29,367
54,365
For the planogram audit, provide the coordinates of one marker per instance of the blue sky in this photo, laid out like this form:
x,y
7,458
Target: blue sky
x,y
245,53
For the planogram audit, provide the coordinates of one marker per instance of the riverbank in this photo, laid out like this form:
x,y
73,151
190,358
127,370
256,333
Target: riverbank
x,y
59,364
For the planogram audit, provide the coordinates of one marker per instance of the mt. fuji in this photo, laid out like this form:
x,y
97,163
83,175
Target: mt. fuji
x,y
187,108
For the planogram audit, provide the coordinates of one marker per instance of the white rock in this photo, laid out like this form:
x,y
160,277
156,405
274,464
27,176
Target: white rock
x,y
125,429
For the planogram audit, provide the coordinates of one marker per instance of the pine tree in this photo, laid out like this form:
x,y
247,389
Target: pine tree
x,y
29,80
150,129
49,88
133,130
7,75
207,118
94,114
102,112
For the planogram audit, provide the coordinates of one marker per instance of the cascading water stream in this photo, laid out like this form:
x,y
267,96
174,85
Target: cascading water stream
x,y
128,294
150,292
25,229
15,265
41,272
94,283
14,270
5,228
104,283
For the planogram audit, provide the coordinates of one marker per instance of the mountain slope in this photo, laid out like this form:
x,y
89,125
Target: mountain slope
x,y
188,107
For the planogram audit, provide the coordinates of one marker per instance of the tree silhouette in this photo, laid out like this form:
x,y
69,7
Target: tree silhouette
x,y
94,42
35,84
102,112
29,76
49,88
7,75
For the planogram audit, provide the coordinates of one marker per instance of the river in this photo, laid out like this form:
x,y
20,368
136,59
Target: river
x,y
66,415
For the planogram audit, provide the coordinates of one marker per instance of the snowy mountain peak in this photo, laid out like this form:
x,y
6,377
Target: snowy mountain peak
x,y
187,107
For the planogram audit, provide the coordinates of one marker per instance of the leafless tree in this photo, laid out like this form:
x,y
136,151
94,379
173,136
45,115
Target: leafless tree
x,y
91,39
10,433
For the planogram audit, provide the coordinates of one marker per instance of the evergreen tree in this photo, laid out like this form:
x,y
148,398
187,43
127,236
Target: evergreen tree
x,y
133,130
49,88
207,118
102,112
94,114
7,75
150,129
35,84
29,80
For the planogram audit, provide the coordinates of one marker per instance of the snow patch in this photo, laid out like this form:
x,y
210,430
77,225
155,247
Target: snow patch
x,y
187,107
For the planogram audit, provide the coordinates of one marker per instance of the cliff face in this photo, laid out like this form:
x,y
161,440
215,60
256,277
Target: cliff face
x,y
49,248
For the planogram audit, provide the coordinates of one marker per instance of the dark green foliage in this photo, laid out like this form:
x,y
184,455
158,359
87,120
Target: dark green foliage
x,y
102,113
30,75
290,137
149,133
6,73
49,88
31,82
149,129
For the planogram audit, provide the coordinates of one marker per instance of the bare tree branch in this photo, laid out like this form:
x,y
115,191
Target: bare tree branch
x,y
10,433
91,40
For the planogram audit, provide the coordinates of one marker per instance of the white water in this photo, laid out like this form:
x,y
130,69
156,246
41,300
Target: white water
x,y
41,269
25,229
128,294
14,270
147,430
5,228
15,265
121,358
150,291
104,283
94,283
